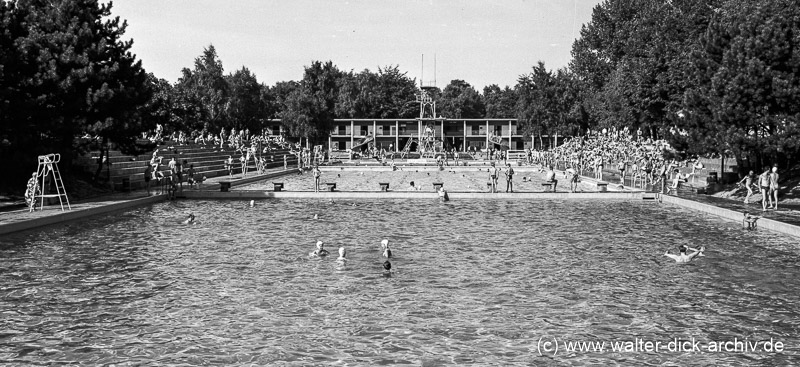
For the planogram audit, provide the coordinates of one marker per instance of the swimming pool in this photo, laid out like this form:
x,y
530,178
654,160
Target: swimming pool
x,y
474,283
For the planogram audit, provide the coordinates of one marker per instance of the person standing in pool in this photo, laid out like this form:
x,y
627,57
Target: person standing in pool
x,y
320,251
443,194
387,253
682,257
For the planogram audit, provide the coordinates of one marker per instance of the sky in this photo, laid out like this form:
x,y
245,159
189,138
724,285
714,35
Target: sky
x,y
479,41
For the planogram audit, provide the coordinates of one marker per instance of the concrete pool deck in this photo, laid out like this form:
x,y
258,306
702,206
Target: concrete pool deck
x,y
785,221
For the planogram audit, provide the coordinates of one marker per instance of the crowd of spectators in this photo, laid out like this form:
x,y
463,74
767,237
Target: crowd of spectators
x,y
641,161
246,146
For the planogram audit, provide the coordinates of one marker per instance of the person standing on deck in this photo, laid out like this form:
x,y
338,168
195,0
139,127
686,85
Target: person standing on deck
x,y
747,181
317,174
764,185
550,177
773,186
509,178
493,177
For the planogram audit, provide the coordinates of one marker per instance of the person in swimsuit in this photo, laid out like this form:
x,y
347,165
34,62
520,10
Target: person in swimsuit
x,y
342,253
320,251
763,184
493,177
509,178
443,194
32,189
387,253
229,165
550,176
573,178
317,173
747,181
750,222
189,220
773,186
676,182
387,269
682,256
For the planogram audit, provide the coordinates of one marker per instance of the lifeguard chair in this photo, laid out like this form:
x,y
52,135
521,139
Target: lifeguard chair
x,y
48,169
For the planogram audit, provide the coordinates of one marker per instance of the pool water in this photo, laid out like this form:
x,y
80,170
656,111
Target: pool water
x,y
473,283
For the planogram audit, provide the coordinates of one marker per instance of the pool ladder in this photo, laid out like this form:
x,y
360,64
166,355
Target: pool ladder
x,y
48,166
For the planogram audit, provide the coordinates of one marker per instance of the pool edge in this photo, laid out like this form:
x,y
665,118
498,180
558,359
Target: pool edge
x,y
733,215
75,214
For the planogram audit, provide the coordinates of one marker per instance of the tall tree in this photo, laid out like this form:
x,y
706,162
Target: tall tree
x,y
245,106
389,93
500,103
534,108
309,110
206,85
460,100
746,83
70,73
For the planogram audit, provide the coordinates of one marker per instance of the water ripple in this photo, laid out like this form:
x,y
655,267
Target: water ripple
x,y
472,284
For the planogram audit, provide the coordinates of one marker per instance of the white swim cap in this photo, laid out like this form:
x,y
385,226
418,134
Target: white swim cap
x,y
320,243
385,243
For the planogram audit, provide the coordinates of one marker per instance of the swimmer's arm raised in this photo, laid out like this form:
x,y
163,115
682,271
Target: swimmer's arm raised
x,y
671,256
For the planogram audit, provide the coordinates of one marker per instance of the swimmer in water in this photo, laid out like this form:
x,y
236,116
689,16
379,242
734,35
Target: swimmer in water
x,y
387,253
316,217
682,256
342,252
387,266
189,220
320,251
443,194
750,222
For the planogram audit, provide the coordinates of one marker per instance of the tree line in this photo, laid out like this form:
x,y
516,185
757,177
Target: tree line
x,y
710,76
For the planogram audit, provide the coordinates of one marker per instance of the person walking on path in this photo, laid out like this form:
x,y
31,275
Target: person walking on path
x,y
747,181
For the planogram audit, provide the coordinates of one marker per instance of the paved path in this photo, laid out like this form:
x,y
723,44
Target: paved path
x,y
786,213
463,179
455,179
